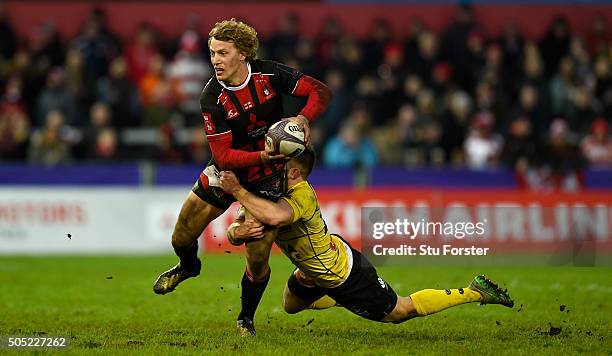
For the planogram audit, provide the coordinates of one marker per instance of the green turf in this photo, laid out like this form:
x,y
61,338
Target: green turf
x,y
76,296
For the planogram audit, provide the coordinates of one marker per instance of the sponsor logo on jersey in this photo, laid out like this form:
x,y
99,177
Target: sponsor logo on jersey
x,y
383,285
231,114
209,126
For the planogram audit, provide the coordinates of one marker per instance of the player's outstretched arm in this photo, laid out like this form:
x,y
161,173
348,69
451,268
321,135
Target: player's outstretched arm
x,y
265,211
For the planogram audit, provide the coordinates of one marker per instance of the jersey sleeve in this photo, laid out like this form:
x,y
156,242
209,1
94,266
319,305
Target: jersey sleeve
x,y
213,115
302,202
293,82
285,77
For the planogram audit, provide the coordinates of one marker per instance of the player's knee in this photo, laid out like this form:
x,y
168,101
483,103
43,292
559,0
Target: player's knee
x,y
405,308
290,306
257,262
259,272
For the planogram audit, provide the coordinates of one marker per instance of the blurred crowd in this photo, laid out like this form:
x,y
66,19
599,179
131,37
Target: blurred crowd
x,y
457,97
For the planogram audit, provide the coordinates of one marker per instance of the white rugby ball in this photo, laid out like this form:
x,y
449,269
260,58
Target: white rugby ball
x,y
286,137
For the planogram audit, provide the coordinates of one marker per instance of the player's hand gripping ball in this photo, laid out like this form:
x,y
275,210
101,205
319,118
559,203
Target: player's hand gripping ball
x,y
285,137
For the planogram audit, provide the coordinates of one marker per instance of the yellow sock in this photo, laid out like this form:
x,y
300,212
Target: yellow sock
x,y
322,303
429,301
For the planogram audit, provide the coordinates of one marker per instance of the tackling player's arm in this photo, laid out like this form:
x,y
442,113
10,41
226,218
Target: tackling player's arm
x,y
266,211
242,230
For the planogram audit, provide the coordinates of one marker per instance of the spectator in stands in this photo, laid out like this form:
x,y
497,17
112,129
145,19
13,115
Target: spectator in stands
x,y
493,67
424,60
55,97
455,44
563,87
281,44
412,86
349,58
121,95
45,46
168,149
374,44
140,53
158,94
328,39
487,99
520,146
442,82
583,72
411,42
468,73
51,144
190,73
603,84
100,118
483,147
391,73
338,109
399,138
76,85
555,45
97,48
409,140
14,123
582,112
597,147
8,39
598,38
429,117
369,96
350,149
511,43
530,106
562,161
106,147
455,124
12,96
305,54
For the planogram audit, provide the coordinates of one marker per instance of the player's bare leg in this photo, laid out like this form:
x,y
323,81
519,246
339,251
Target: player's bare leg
x,y
293,304
255,279
430,301
195,215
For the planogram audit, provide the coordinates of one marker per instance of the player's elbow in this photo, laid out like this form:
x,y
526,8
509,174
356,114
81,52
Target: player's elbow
x,y
326,94
273,221
223,162
277,218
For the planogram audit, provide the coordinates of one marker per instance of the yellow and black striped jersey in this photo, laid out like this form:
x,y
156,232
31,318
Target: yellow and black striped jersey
x,y
323,257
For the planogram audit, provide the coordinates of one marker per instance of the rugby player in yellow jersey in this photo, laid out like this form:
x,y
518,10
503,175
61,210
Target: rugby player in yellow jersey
x,y
326,264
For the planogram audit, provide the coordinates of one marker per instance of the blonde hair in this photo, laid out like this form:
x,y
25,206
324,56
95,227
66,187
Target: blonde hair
x,y
242,35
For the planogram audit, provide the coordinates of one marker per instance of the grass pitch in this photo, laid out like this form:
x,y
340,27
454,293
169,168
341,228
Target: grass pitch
x,y
106,306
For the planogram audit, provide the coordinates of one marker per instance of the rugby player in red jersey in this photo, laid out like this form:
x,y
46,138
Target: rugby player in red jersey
x,y
238,105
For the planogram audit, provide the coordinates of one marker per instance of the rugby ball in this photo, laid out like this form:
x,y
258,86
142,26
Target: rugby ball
x,y
286,137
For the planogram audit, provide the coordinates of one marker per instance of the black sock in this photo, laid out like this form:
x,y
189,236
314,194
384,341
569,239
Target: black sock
x,y
188,256
251,295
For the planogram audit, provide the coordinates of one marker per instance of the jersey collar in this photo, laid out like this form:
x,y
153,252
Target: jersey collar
x,y
241,85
